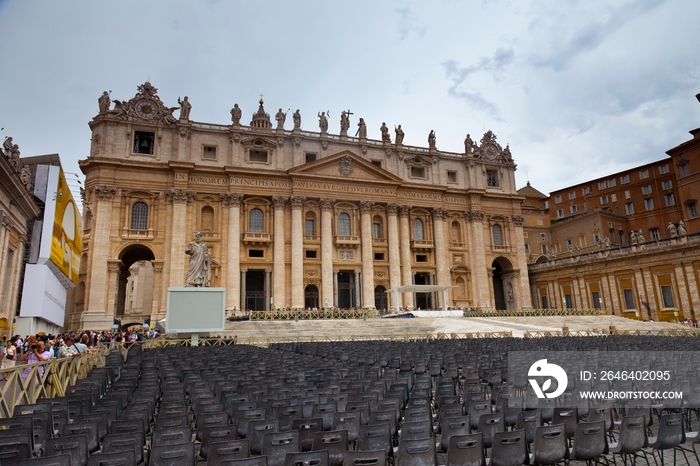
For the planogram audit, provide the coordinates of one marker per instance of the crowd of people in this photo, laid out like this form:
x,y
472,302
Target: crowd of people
x,y
41,347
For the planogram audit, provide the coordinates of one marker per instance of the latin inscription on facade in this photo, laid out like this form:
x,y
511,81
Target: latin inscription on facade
x,y
352,189
436,197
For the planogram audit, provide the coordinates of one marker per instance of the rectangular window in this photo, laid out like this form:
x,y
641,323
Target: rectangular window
x,y
627,194
144,142
527,248
258,156
612,183
569,244
585,191
629,208
624,179
649,203
683,169
310,157
602,185
492,178
568,302
629,299
544,249
417,172
209,152
310,228
560,213
451,176
572,195
622,238
604,199
378,256
643,175
646,189
545,305
669,199
543,235
557,200
613,197
311,253
654,233
663,169
692,210
574,209
667,295
667,184
421,258
377,163
540,222
595,297
256,253
376,230
546,204
596,238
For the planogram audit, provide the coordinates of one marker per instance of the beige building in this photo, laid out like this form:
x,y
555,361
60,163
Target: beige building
x,y
292,218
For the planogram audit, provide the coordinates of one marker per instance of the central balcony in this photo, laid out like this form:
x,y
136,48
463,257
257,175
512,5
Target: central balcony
x,y
250,237
421,244
342,240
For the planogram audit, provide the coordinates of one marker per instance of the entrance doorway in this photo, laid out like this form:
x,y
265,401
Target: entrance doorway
x,y
311,297
135,282
255,290
346,289
423,300
380,299
502,272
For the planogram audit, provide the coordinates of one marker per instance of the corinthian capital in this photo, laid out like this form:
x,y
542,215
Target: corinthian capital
x,y
297,202
180,196
278,202
518,220
105,192
366,207
392,209
231,199
326,203
439,213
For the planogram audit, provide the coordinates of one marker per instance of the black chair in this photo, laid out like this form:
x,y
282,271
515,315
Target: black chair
x,y
530,421
416,430
419,452
466,450
122,458
173,455
568,416
509,448
128,441
375,438
255,461
75,446
257,430
365,458
228,450
476,410
334,442
590,441
550,445
216,434
489,424
453,426
172,435
90,429
632,439
60,460
277,445
307,429
349,422
671,435
307,458
14,449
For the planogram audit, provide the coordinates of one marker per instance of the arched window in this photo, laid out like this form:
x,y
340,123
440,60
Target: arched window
x,y
344,224
418,230
255,221
139,216
207,219
497,235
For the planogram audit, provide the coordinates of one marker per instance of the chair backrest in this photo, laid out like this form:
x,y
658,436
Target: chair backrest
x,y
277,445
335,442
307,458
590,441
567,415
375,437
416,430
172,435
76,446
173,455
418,452
254,461
325,411
257,430
509,448
307,429
601,413
476,409
418,413
489,424
633,435
530,421
365,458
550,445
227,450
458,425
87,428
121,458
384,417
128,441
102,420
60,460
14,448
671,433
466,450
349,422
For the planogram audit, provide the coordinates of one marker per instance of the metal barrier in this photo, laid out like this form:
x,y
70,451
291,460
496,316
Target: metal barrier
x,y
685,332
535,312
46,379
302,314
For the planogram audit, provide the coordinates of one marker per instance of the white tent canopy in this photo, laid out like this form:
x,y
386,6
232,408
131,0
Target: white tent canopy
x,y
420,289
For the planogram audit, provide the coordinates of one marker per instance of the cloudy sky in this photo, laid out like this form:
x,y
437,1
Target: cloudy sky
x,y
578,88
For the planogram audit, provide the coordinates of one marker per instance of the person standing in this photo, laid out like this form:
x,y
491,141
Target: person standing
x,y
8,359
36,353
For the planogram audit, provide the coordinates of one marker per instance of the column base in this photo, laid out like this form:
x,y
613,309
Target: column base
x,y
95,320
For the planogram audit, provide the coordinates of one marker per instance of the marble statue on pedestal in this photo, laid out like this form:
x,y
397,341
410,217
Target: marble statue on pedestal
x,y
199,270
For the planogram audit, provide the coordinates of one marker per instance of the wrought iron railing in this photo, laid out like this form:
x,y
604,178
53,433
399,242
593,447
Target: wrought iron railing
x,y
319,314
534,312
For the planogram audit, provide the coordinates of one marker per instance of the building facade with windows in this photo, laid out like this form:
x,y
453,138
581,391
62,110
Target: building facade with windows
x,y
292,218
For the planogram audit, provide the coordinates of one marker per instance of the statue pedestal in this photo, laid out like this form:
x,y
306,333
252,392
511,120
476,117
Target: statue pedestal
x,y
195,310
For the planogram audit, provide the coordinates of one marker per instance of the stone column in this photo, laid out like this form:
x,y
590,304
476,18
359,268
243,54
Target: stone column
x,y
268,280
98,286
693,289
394,258
357,290
243,290
642,296
158,309
233,252
684,307
524,299
179,198
609,298
328,277
335,288
114,272
441,260
481,269
405,240
280,278
297,203
367,257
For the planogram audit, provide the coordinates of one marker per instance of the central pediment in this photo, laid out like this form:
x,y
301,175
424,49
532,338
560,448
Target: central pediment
x,y
345,165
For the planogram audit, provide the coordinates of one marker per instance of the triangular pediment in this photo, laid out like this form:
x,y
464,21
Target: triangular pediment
x,y
345,165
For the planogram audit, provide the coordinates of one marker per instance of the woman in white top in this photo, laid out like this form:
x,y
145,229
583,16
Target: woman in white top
x,y
8,360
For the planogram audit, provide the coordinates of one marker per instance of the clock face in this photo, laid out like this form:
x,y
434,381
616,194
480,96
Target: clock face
x,y
491,151
146,109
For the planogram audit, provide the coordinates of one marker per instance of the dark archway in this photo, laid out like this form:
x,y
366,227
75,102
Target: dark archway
x,y
501,268
346,289
380,300
135,253
255,290
311,297
423,300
